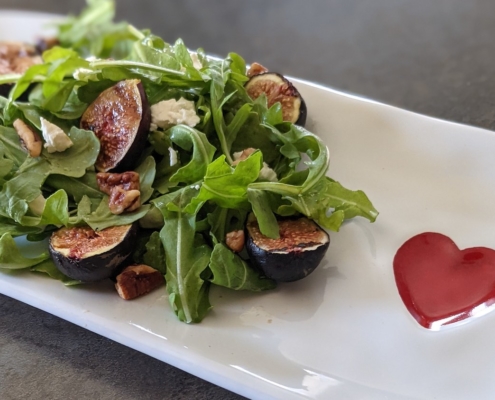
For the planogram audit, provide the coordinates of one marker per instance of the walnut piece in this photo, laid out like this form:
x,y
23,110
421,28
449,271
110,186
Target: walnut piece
x,y
30,140
123,189
256,69
17,57
235,240
137,280
242,155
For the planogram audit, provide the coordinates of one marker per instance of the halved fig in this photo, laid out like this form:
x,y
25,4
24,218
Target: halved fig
x,y
120,117
299,250
278,89
16,58
89,256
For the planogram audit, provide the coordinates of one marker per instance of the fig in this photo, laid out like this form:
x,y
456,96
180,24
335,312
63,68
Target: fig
x,y
89,256
279,89
16,58
120,117
299,250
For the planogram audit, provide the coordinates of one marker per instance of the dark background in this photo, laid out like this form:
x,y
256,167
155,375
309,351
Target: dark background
x,y
432,57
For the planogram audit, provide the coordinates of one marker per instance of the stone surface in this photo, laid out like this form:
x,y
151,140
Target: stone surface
x,y
435,58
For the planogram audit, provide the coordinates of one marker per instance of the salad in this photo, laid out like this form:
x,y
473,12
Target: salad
x,y
119,150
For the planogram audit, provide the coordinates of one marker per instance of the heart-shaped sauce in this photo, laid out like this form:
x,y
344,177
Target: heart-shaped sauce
x,y
441,284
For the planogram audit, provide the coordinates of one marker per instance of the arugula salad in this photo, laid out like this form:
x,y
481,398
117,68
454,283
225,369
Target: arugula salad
x,y
223,158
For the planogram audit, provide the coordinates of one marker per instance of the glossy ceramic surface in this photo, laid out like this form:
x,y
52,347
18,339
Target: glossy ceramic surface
x,y
343,332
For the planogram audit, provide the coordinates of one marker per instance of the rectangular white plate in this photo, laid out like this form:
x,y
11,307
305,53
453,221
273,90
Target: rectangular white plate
x,y
343,332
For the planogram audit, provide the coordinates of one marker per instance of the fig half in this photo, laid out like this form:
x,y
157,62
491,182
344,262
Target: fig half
x,y
279,89
120,117
89,256
299,250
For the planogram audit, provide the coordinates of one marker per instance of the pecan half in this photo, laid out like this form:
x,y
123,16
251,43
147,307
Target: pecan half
x,y
137,280
235,240
123,189
30,140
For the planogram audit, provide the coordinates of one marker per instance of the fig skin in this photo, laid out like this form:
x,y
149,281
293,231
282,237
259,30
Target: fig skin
x,y
97,266
290,92
287,264
120,117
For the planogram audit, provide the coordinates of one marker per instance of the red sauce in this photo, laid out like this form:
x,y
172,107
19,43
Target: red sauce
x,y
441,284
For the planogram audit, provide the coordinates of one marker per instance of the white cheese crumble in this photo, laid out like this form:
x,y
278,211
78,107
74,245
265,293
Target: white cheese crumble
x,y
55,137
173,156
171,112
266,173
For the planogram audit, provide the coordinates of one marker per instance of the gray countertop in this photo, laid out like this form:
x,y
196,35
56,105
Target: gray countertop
x,y
432,57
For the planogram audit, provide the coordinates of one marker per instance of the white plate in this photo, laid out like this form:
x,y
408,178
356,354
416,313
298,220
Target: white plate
x,y
343,332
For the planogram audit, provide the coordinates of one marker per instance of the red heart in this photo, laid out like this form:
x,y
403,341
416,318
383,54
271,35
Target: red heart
x,y
441,284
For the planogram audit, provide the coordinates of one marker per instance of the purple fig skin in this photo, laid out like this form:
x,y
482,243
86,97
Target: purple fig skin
x,y
97,266
287,261
120,117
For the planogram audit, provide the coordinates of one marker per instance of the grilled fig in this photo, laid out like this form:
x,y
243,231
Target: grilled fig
x,y
16,58
120,117
299,250
279,89
89,256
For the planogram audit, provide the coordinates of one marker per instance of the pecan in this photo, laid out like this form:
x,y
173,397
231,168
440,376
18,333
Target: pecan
x,y
242,155
123,189
30,140
137,280
256,69
235,240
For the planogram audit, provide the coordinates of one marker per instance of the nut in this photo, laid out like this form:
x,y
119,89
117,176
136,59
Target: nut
x,y
242,155
235,240
123,190
17,57
137,280
256,69
30,140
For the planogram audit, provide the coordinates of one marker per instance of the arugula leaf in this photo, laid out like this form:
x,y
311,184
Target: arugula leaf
x,y
326,195
155,253
11,256
49,268
26,184
231,271
227,186
202,155
186,259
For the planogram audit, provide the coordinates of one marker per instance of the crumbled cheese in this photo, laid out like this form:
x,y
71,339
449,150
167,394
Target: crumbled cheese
x,y
171,112
55,138
37,205
266,173
85,74
173,156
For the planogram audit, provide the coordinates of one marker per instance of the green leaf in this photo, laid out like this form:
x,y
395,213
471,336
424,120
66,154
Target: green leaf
x,y
146,172
155,253
49,268
231,271
262,209
329,204
227,186
186,260
11,256
202,153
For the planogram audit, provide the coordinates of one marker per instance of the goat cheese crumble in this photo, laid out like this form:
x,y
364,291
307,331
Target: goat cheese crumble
x,y
171,112
55,137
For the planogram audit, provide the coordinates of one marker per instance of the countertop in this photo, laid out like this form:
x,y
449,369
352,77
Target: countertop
x,y
434,58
